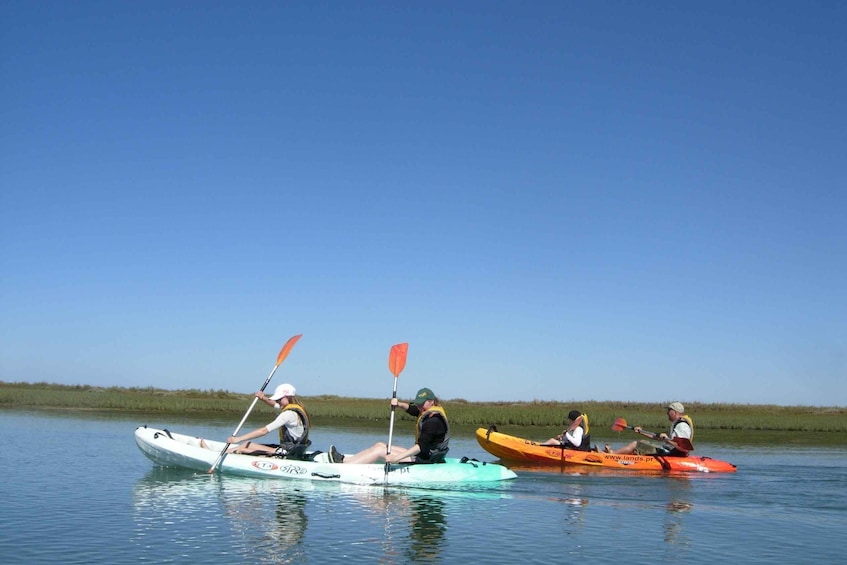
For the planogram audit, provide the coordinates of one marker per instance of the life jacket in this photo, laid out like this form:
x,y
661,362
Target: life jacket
x,y
586,436
435,412
685,419
286,440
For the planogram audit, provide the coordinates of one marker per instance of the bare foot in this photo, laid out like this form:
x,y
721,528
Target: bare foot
x,y
607,448
203,443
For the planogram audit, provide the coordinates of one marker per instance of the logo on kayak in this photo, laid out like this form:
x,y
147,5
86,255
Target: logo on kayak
x,y
264,465
292,469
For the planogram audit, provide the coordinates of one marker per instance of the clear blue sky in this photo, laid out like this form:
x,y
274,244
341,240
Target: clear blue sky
x,y
548,200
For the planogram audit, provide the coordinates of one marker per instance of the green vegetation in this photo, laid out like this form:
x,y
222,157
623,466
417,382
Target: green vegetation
x,y
714,422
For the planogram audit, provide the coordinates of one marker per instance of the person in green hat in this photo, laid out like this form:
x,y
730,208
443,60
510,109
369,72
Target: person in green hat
x,y
432,436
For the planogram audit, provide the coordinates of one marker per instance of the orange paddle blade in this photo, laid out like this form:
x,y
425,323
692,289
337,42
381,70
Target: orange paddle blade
x,y
286,349
397,358
619,425
683,444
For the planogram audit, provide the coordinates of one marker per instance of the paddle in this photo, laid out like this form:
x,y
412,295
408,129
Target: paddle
x,y
682,444
283,353
396,362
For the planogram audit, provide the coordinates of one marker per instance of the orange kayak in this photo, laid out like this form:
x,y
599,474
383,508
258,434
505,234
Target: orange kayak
x,y
526,451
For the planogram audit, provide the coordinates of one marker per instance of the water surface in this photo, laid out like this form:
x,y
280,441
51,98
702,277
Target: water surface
x,y
76,489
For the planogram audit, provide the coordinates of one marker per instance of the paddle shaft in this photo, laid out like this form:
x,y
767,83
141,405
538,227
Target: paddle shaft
x,y
680,443
283,353
674,444
391,424
241,423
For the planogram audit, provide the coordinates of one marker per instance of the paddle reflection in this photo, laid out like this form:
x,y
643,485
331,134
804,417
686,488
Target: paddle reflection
x,y
677,507
575,513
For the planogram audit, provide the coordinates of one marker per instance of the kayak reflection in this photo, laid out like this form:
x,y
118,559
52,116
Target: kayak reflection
x,y
192,509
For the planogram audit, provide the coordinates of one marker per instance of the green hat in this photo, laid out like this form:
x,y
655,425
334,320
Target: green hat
x,y
423,395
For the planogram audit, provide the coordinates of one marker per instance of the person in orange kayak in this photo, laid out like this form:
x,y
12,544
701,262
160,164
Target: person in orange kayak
x,y
576,436
432,436
681,427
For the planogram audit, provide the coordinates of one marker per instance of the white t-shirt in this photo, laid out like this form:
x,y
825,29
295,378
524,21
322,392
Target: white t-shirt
x,y
575,437
290,420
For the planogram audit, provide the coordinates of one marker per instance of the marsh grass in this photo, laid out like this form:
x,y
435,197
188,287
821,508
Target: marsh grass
x,y
544,416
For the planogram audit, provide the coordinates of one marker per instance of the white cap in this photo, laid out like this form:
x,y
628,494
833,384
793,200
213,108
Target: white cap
x,y
676,406
284,389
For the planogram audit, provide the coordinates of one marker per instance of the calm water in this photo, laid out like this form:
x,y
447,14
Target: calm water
x,y
76,489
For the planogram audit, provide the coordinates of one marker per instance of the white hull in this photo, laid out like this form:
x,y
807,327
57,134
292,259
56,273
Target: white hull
x,y
177,450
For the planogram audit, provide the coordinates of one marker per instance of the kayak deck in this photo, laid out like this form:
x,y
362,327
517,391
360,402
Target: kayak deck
x,y
522,450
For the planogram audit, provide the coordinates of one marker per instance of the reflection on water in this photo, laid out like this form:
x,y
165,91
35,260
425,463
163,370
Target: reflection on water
x,y
426,528
679,492
574,515
262,520
414,521
271,521
267,520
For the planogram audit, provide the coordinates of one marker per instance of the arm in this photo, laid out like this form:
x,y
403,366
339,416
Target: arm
x,y
574,436
281,420
266,399
400,404
574,425
248,436
568,433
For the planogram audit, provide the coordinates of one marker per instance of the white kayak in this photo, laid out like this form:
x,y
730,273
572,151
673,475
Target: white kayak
x,y
171,449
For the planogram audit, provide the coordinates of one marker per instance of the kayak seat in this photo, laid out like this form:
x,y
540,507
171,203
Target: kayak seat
x,y
297,452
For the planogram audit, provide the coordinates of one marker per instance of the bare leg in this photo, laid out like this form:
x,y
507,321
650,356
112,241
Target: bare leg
x,y
552,441
373,454
625,450
251,447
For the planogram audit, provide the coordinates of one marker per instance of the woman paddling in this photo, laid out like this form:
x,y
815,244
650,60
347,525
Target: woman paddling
x,y
432,435
576,436
292,423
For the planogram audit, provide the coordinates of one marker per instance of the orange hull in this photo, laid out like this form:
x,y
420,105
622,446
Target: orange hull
x,y
526,451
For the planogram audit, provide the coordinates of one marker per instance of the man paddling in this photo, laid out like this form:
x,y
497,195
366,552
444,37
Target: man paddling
x,y
681,427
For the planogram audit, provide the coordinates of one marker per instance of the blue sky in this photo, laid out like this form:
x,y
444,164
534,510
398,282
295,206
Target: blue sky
x,y
549,200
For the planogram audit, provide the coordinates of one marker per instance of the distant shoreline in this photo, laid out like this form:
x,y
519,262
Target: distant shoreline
x,y
220,393
713,422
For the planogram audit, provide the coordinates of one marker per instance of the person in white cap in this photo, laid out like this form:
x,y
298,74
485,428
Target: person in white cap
x,y
681,427
292,423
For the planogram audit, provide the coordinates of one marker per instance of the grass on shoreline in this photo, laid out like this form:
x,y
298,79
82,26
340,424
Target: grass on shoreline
x,y
711,420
